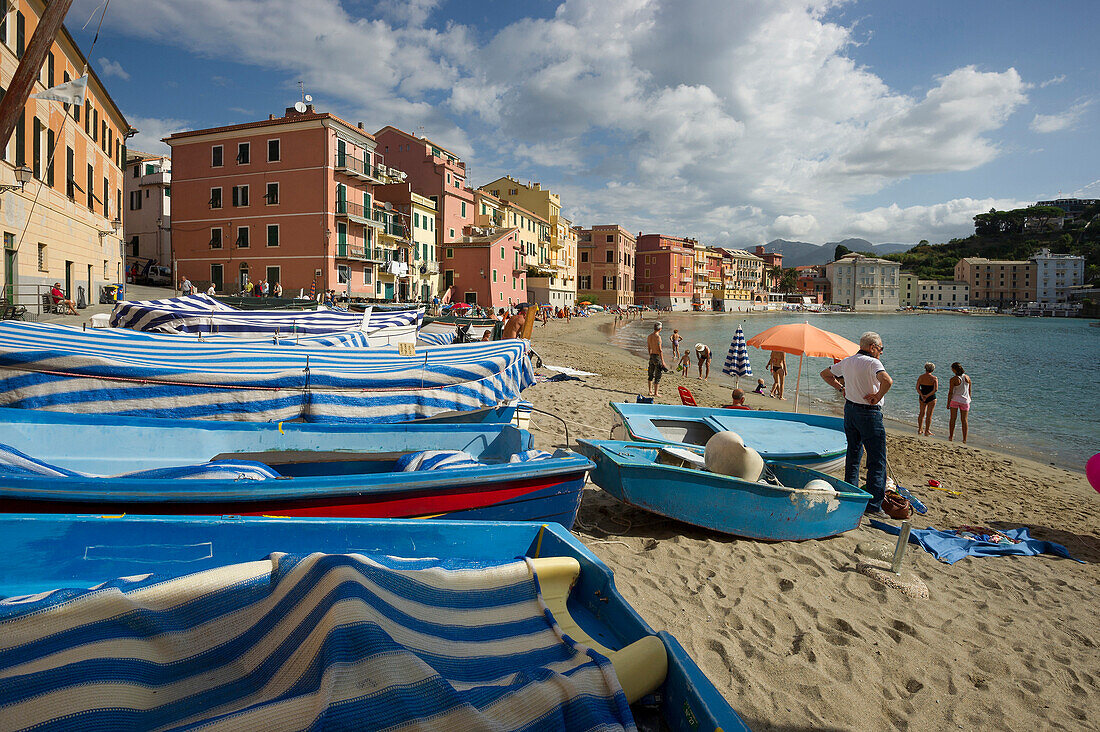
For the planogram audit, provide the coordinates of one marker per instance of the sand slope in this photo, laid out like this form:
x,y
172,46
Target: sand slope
x,y
797,639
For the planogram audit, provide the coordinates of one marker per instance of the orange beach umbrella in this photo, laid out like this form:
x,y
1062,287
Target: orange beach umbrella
x,y
805,340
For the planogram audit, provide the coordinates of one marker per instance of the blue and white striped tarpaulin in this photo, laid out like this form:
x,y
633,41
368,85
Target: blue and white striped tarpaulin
x,y
737,360
119,372
324,641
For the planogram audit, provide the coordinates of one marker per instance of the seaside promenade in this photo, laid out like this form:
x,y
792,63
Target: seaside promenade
x,y
796,638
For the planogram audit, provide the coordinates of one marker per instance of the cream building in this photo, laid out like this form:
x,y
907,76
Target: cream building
x,y
907,290
865,283
741,280
147,204
943,294
73,157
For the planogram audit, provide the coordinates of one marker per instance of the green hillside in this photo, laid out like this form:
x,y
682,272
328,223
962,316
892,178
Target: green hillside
x,y
1003,238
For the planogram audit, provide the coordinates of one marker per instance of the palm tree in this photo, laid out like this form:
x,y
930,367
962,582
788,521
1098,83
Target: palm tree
x,y
788,282
775,274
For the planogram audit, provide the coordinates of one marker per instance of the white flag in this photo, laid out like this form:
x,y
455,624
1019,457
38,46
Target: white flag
x,y
71,92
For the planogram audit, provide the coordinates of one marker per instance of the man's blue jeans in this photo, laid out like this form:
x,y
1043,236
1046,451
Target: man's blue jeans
x,y
863,428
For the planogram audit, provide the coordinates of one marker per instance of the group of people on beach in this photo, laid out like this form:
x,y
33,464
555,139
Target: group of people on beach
x,y
958,399
658,366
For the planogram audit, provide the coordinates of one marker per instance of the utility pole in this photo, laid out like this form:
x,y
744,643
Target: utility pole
x,y
23,81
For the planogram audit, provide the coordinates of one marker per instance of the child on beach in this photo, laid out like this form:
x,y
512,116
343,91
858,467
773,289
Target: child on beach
x,y
685,363
759,387
676,338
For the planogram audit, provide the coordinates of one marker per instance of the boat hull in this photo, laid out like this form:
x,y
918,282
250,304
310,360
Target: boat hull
x,y
809,440
84,551
630,473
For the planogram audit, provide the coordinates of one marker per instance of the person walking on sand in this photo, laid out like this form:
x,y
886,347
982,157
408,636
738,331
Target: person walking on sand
x,y
865,384
675,338
777,365
958,399
703,354
927,386
657,365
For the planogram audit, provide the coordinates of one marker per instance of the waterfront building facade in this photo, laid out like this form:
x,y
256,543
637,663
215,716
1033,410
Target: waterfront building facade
x,y
942,294
408,266
555,281
813,283
907,290
771,260
1055,275
998,283
605,265
485,268
741,277
665,273
64,223
865,283
288,199
147,210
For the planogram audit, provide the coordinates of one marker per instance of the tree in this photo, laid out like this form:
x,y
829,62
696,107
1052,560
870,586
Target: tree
x,y
775,274
788,282
840,251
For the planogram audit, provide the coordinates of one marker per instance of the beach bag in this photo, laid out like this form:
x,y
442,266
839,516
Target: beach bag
x,y
896,506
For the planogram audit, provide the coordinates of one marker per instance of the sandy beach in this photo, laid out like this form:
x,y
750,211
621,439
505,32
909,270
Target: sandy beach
x,y
796,638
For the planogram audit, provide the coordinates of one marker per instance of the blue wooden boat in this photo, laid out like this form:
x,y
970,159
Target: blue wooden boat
x,y
319,469
811,440
65,561
655,478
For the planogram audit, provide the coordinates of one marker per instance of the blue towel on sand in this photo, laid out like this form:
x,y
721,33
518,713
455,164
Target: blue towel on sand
x,y
949,547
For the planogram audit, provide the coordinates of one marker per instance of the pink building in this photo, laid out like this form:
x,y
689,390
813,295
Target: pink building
x,y
287,199
665,271
605,265
771,259
485,269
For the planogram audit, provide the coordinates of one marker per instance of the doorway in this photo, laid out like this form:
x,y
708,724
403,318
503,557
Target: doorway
x,y
10,270
68,279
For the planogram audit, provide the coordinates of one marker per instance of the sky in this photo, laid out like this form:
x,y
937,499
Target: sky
x,y
734,122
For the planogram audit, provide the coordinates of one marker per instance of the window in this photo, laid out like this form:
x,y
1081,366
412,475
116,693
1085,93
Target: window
x,y
273,151
274,274
20,35
452,233
368,275
216,157
43,260
610,238
463,209
243,153
240,195
242,237
610,256
91,188
95,125
273,235
49,69
70,172
343,274
216,238
216,275
215,198
272,194
450,252
37,130
584,282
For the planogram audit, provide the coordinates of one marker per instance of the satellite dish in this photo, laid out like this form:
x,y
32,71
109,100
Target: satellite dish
x,y
387,205
309,98
299,107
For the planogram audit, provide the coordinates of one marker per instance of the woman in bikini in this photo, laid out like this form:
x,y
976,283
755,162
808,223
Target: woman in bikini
x,y
927,386
777,364
958,399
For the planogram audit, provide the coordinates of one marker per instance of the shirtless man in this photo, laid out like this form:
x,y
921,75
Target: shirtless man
x,y
657,365
514,326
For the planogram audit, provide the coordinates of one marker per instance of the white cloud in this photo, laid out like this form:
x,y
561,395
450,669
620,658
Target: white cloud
x,y
730,120
1055,80
937,222
112,68
1047,123
150,132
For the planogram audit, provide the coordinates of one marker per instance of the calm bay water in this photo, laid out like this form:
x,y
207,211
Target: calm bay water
x,y
1036,380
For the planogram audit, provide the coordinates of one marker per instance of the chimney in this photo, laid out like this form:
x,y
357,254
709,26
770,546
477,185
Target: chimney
x,y
359,125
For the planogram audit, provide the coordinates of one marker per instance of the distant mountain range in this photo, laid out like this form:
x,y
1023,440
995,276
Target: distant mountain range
x,y
800,253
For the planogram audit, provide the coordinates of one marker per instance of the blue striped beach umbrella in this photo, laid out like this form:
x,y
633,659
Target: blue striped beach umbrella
x,y
737,360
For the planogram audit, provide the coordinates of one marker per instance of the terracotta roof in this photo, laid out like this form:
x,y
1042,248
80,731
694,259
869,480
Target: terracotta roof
x,y
284,120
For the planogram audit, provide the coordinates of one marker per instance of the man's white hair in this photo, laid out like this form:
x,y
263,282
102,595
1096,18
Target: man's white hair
x,y
868,339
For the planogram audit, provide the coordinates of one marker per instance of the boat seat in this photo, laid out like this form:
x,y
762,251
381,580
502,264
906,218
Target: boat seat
x,y
641,666
680,457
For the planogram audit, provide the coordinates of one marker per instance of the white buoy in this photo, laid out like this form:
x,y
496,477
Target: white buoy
x,y
726,454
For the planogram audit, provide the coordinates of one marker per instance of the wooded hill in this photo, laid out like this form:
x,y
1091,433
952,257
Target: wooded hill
x,y
1002,236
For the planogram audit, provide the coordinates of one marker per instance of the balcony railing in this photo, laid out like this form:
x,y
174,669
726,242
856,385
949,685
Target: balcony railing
x,y
355,212
353,166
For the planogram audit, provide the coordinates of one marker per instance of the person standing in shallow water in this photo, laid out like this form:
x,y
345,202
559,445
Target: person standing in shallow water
x,y
927,386
958,400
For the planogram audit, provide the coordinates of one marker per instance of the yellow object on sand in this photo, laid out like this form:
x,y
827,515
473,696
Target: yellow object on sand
x,y
641,666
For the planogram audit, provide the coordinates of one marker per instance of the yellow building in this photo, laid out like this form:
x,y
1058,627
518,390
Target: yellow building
x,y
740,280
74,157
559,287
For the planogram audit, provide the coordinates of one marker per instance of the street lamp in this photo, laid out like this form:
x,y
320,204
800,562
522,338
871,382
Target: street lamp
x,y
23,174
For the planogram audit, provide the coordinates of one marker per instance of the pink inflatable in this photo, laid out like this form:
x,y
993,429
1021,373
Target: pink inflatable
x,y
1092,470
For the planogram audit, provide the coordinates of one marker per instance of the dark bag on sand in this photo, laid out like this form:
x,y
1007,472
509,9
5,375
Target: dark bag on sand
x,y
896,506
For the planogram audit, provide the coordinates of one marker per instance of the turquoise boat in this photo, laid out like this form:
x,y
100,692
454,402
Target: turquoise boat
x,y
233,620
811,440
671,482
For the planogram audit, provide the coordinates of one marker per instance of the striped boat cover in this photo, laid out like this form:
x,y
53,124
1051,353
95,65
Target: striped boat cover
x,y
325,641
118,372
434,339
204,314
16,463
436,460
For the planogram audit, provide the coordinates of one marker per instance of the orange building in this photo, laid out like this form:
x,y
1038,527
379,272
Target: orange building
x,y
998,282
605,265
288,199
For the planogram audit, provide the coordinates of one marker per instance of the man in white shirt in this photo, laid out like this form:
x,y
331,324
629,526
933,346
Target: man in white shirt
x,y
187,288
865,383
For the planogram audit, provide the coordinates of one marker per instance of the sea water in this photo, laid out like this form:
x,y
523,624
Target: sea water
x,y
1036,381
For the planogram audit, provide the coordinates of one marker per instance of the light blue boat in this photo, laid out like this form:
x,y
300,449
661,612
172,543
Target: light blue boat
x,y
137,577
79,463
811,440
656,478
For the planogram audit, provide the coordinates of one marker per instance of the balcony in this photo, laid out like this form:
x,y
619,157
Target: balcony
x,y
352,251
429,268
355,212
356,168
159,178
